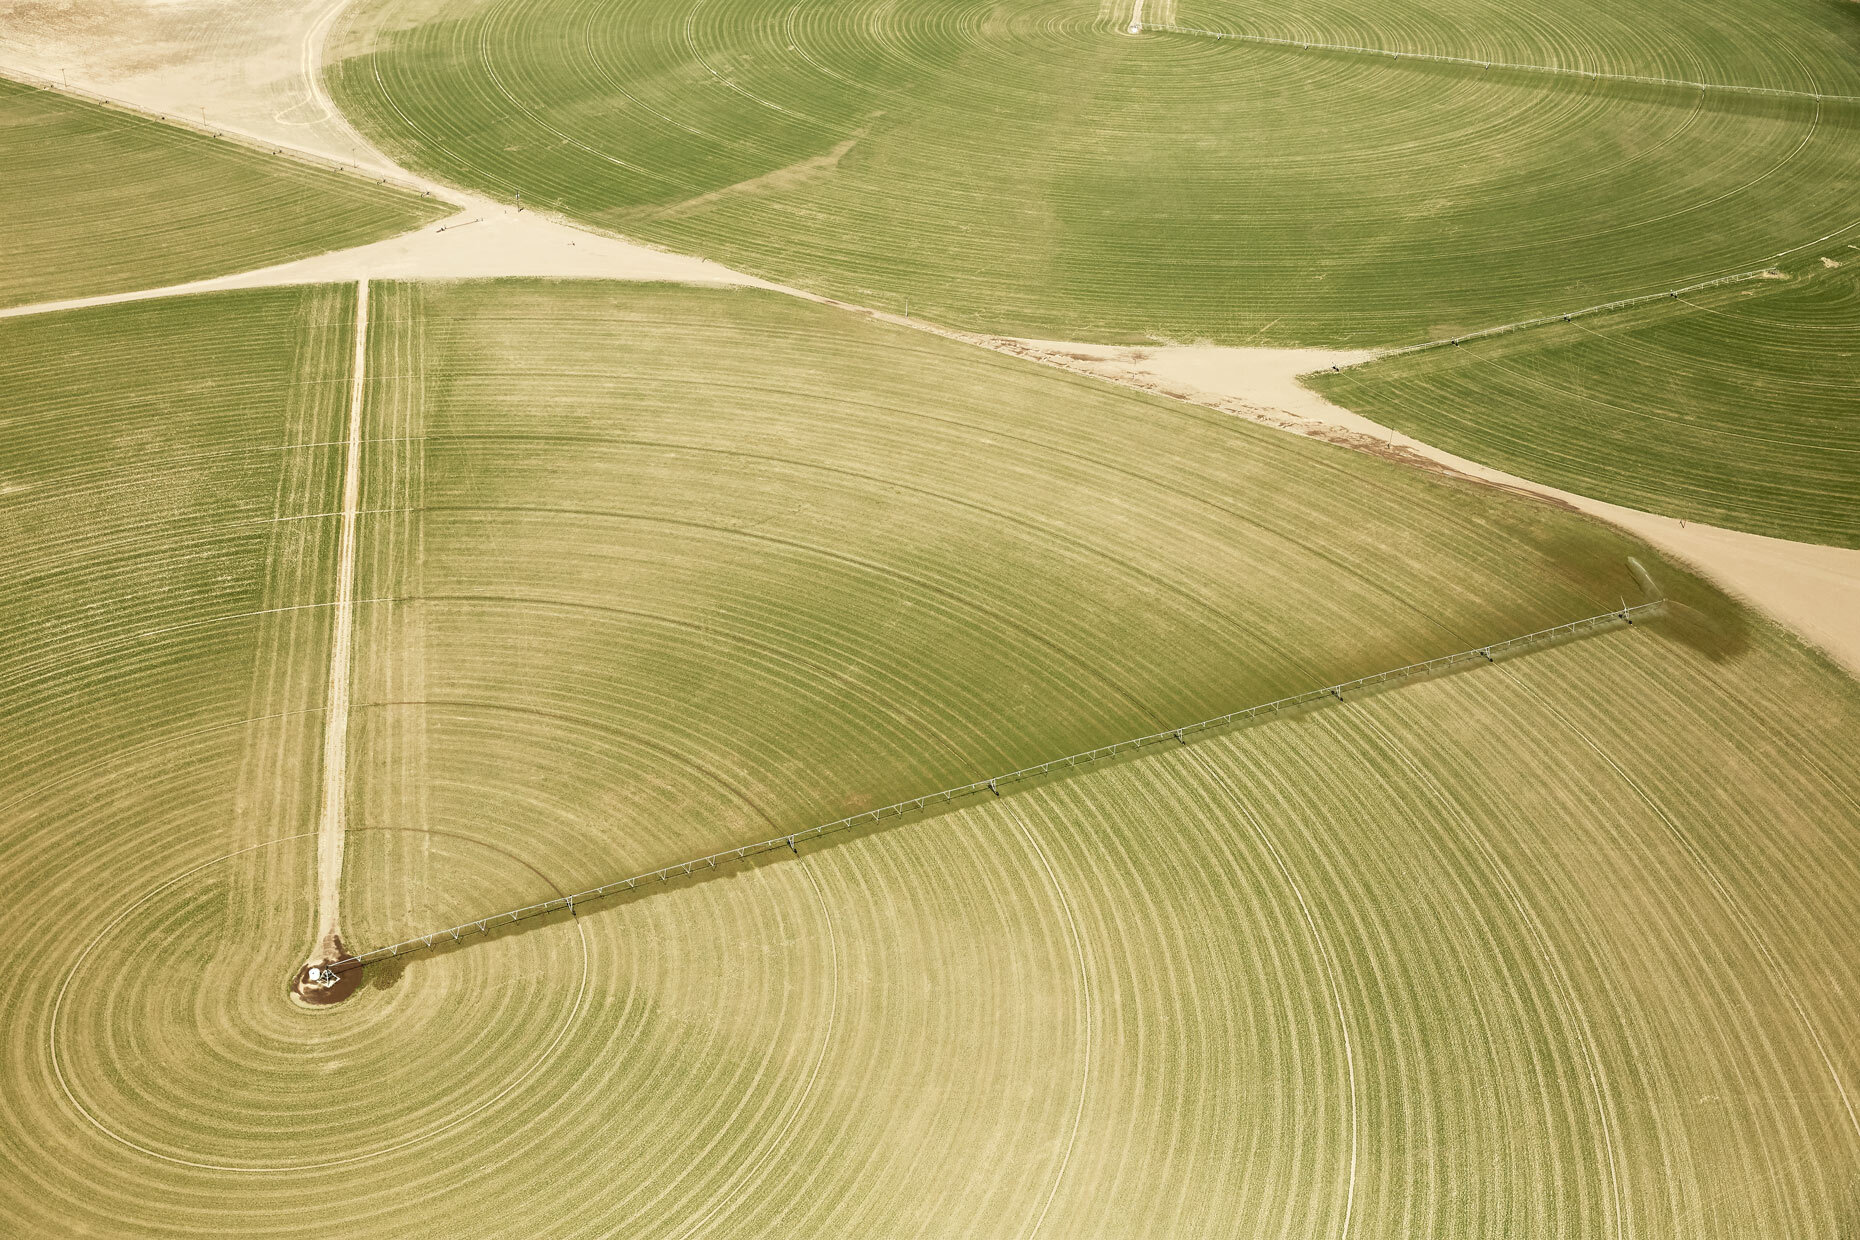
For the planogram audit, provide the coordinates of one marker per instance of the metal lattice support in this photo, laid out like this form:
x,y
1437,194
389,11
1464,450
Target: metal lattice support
x,y
1478,654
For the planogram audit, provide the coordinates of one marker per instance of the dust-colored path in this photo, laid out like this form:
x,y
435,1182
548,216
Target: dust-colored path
x,y
1814,590
258,76
484,241
330,824
245,67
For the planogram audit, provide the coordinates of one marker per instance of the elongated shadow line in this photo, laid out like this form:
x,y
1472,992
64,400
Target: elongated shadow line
x,y
845,830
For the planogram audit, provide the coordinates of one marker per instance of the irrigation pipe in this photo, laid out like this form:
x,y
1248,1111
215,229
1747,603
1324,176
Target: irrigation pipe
x,y
1488,654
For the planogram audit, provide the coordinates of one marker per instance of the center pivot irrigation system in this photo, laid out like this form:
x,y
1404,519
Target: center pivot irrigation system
x,y
1479,654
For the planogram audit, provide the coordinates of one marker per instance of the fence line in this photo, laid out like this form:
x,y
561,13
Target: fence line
x,y
683,869
274,147
1638,79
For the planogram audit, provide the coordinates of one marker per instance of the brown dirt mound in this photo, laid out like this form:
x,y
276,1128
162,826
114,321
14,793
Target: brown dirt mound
x,y
323,995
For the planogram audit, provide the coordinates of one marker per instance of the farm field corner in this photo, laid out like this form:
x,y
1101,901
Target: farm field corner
x,y
1737,406
1030,170
641,566
101,200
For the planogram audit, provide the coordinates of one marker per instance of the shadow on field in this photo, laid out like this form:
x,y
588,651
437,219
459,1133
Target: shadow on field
x,y
1690,625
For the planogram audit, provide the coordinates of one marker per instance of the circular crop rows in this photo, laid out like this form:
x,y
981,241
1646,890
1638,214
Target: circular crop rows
x,y
1035,172
1546,948
1772,43
1228,985
103,201
1735,407
721,567
161,1004
1556,947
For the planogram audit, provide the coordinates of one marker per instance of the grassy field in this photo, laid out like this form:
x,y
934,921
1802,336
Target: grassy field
x,y
98,200
1557,947
1034,171
711,566
160,648
1737,406
1777,44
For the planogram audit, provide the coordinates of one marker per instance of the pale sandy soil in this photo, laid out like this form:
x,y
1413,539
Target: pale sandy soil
x,y
252,66
1265,380
486,240
244,65
1814,590
249,69
332,824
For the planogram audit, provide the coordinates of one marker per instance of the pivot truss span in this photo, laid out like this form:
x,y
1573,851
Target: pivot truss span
x,y
1480,654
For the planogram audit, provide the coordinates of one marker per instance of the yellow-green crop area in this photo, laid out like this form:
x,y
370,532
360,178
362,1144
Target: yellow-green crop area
x,y
1030,169
1738,406
95,200
1774,44
1561,946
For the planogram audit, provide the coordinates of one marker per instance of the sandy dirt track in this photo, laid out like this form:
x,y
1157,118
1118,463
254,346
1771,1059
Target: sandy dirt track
x,y
1814,590
252,71
254,68
332,822
246,66
484,241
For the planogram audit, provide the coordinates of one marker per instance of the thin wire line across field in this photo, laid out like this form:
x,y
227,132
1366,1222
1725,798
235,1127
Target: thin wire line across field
x,y
1766,272
1567,316
1559,70
684,869
378,173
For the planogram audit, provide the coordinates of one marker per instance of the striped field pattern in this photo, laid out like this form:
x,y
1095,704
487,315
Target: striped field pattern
x,y
1032,170
97,200
1738,406
716,566
936,802
1557,947
1769,44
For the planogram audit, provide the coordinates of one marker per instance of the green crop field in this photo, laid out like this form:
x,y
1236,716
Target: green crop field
x,y
806,565
96,200
1738,406
1559,946
1032,170
1777,44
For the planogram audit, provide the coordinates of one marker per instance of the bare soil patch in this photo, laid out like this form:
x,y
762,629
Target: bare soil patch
x,y
317,994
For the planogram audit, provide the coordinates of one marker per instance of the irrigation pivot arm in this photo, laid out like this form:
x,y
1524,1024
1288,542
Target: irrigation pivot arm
x,y
1477,654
